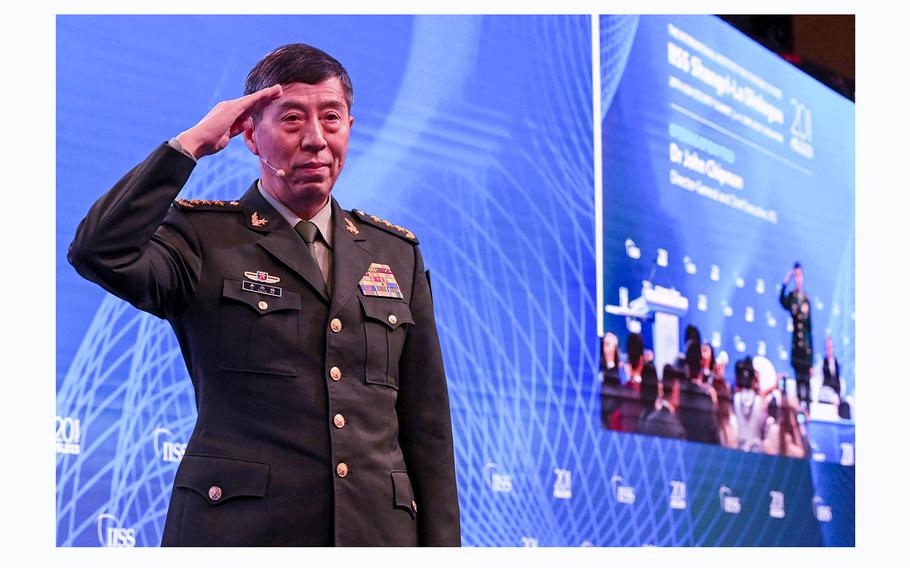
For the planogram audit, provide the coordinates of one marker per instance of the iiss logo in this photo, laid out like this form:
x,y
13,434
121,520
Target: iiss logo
x,y
624,494
776,510
68,435
632,250
678,495
729,502
499,482
821,511
690,265
111,534
166,448
801,130
562,487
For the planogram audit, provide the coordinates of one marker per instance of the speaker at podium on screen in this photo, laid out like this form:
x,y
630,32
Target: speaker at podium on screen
x,y
665,306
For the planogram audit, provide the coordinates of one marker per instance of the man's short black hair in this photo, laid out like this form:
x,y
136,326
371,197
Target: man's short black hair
x,y
298,63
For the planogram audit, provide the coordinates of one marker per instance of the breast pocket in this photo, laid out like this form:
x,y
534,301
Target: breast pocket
x,y
259,332
386,322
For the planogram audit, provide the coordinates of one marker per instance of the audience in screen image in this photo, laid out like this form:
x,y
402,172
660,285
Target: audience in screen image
x,y
726,421
831,391
708,363
692,398
786,436
697,400
621,403
659,418
611,370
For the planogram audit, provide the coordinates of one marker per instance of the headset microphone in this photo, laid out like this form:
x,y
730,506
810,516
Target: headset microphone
x,y
278,172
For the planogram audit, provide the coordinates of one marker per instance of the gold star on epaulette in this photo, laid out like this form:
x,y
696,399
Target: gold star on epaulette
x,y
207,204
386,225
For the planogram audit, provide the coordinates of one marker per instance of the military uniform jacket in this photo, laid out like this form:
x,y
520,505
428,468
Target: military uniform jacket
x,y
321,420
801,311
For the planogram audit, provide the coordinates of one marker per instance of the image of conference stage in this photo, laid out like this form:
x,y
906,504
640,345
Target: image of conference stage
x,y
711,168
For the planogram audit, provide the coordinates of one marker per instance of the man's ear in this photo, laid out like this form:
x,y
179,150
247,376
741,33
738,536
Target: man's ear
x,y
248,138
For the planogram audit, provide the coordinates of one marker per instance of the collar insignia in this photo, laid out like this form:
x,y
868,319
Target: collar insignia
x,y
351,227
258,221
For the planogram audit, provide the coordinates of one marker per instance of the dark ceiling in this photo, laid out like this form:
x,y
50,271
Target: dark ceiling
x,y
822,45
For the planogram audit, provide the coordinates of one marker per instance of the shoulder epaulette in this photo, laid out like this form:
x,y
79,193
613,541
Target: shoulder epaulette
x,y
207,205
387,226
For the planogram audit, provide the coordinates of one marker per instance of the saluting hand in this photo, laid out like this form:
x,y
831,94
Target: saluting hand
x,y
226,120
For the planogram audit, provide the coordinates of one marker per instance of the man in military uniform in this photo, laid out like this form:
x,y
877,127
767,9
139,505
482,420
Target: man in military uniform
x,y
797,303
308,331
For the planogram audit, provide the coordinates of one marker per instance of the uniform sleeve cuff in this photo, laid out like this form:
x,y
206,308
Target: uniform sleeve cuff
x,y
176,145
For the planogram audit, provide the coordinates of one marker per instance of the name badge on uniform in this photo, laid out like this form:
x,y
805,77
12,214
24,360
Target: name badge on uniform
x,y
379,281
261,288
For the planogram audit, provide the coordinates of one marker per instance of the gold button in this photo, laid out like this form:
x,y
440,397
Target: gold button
x,y
263,305
335,373
335,325
339,421
214,493
342,469
392,319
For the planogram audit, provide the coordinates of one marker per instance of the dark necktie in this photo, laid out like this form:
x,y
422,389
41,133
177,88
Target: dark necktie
x,y
308,232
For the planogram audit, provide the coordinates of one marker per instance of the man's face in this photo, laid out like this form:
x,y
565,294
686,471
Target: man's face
x,y
798,277
304,132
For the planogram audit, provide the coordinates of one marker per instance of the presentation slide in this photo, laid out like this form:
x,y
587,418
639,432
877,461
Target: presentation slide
x,y
724,167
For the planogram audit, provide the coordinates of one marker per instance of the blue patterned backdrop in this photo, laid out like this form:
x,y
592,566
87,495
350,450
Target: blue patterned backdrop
x,y
476,133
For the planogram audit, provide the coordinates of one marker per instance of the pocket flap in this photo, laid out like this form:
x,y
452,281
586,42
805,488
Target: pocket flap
x,y
262,303
220,479
404,495
390,312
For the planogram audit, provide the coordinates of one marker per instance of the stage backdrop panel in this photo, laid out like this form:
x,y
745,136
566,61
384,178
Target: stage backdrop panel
x,y
475,132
